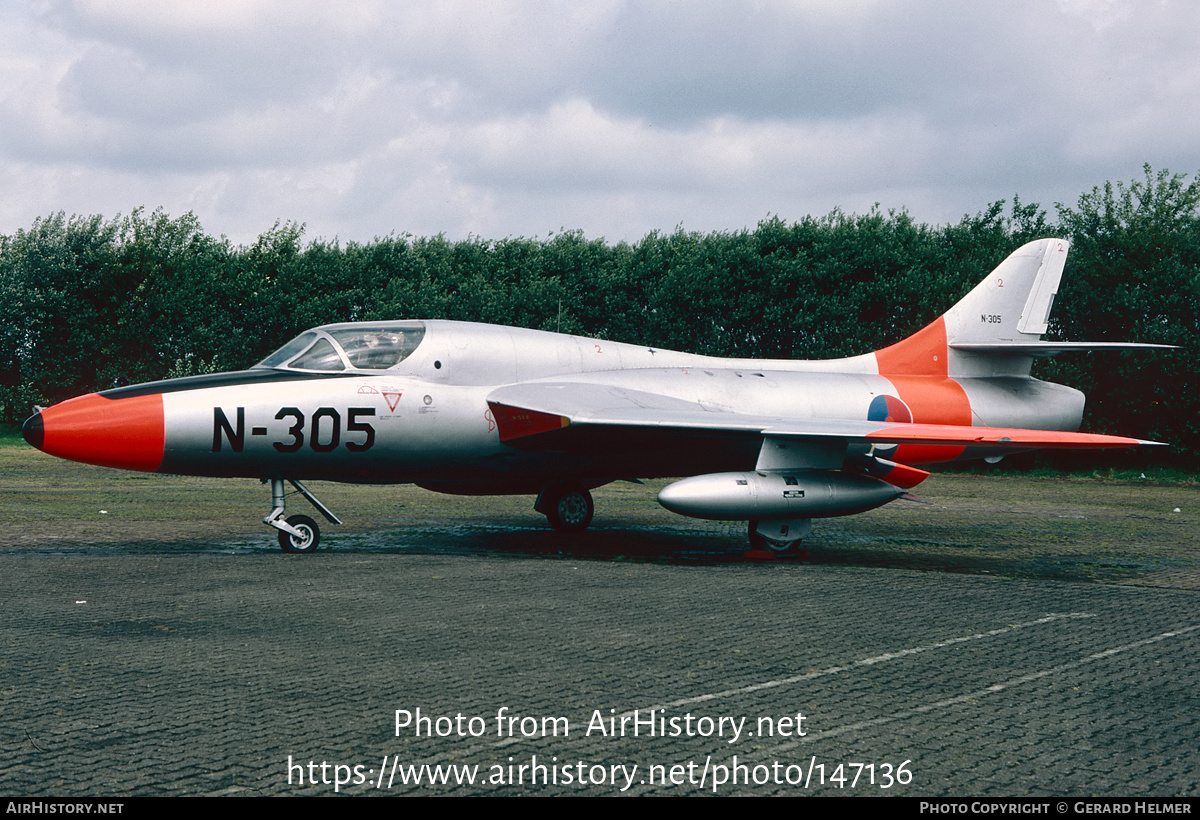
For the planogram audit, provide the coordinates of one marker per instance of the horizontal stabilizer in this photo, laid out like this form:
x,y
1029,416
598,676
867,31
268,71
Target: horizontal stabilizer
x,y
1047,349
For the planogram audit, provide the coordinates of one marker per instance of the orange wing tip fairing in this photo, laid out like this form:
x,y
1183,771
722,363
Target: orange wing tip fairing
x,y
128,434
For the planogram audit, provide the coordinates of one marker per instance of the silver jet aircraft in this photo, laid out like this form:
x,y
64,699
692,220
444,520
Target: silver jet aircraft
x,y
478,409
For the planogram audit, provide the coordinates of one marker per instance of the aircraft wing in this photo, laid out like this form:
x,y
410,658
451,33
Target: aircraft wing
x,y
546,415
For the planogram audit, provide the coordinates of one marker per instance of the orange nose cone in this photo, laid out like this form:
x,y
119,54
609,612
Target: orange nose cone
x,y
124,433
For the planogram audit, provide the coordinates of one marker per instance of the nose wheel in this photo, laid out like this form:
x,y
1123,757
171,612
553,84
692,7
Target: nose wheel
x,y
297,533
307,540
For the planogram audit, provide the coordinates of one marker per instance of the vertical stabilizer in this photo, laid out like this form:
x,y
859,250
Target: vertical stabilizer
x,y
1013,303
1011,306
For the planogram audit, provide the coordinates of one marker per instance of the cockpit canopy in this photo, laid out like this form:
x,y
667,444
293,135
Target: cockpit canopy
x,y
348,347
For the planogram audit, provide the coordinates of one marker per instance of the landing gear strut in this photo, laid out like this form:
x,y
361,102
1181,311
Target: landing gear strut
x,y
568,507
297,533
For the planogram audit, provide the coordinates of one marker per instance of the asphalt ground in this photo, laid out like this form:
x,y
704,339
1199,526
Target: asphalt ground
x,y
1007,638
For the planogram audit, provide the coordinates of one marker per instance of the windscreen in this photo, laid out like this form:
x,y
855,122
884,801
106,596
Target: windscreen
x,y
348,347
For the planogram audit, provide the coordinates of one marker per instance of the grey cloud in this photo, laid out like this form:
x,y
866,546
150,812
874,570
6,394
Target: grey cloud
x,y
362,118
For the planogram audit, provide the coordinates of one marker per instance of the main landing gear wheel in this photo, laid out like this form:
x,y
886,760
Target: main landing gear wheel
x,y
308,540
780,538
761,542
567,508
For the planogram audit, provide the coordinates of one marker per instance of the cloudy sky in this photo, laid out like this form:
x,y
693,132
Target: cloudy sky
x,y
617,117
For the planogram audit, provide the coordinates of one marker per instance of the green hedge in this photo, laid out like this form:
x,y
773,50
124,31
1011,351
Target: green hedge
x,y
88,302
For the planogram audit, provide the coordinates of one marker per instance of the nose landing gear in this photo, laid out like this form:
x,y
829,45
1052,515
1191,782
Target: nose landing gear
x,y
297,533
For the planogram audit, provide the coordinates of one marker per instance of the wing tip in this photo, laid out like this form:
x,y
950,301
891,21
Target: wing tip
x,y
1004,437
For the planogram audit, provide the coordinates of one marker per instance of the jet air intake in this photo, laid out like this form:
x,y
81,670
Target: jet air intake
x,y
776,494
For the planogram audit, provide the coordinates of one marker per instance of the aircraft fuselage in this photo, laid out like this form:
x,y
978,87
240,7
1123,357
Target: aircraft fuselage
x,y
429,422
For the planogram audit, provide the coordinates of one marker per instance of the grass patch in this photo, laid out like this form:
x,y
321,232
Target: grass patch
x,y
10,436
1155,474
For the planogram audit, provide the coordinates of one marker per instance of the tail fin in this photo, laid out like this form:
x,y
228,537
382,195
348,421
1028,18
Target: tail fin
x,y
995,329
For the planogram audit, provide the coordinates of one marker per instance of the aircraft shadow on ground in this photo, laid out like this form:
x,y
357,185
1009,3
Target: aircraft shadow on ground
x,y
682,547
659,545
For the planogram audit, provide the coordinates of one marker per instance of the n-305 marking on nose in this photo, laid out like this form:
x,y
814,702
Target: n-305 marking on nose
x,y
324,430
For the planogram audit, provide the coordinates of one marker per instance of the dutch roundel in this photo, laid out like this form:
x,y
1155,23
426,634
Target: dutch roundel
x,y
888,408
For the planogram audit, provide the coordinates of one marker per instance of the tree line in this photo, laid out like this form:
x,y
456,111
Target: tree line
x,y
87,303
